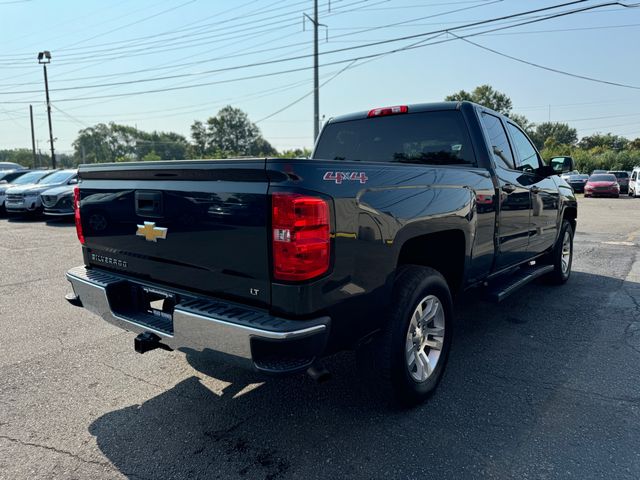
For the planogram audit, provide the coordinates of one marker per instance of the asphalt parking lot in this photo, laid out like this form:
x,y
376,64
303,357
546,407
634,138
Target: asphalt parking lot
x,y
544,385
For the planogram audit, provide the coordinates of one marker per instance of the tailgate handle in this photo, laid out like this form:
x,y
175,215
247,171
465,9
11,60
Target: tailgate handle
x,y
149,204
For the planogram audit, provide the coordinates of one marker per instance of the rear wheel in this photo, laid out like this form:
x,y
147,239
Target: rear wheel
x,y
561,257
410,354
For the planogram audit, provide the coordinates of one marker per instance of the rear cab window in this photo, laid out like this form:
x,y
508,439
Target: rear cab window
x,y
431,138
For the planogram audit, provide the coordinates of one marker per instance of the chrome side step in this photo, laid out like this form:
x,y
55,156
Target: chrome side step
x,y
503,287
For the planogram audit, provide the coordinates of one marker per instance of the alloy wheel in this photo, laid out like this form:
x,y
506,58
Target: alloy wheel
x,y
425,337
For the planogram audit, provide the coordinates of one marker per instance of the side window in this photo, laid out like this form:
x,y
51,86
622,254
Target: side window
x,y
499,143
527,155
633,177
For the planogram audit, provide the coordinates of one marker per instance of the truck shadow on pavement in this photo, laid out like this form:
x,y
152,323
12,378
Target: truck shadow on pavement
x,y
520,397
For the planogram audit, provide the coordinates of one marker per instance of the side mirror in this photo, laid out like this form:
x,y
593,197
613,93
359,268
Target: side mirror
x,y
562,165
73,181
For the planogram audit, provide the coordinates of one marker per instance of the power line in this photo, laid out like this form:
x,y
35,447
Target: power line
x,y
550,69
186,27
340,72
339,50
86,52
308,94
73,119
361,46
585,119
262,50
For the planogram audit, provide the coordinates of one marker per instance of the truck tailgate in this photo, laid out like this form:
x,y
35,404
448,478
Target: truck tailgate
x,y
198,225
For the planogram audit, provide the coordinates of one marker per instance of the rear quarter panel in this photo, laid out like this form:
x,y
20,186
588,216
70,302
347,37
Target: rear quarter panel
x,y
378,207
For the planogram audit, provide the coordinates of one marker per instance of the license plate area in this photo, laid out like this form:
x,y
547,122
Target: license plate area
x,y
143,305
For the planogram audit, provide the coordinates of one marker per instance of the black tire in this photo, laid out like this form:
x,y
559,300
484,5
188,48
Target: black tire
x,y
388,356
560,275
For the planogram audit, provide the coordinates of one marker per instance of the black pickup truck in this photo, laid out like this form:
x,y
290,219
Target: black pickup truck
x,y
278,262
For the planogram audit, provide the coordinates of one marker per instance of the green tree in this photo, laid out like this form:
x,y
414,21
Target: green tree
x,y
166,145
295,153
113,142
561,133
199,137
21,156
602,142
229,133
152,156
485,95
105,143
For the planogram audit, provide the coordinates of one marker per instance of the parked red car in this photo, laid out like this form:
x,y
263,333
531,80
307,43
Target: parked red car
x,y
602,184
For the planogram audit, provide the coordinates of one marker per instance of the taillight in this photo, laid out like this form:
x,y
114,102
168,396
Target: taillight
x,y
76,211
301,243
381,112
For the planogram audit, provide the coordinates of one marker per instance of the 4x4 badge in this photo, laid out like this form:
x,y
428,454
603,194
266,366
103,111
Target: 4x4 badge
x,y
150,232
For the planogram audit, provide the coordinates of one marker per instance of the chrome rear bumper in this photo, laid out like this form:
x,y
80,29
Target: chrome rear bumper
x,y
270,343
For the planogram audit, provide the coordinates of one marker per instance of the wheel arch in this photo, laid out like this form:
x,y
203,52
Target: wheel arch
x,y
446,251
570,213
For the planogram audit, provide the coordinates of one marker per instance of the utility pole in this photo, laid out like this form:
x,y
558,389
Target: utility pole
x,y
33,136
316,81
316,85
44,58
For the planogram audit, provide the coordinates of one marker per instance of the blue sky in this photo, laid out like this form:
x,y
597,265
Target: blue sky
x,y
96,42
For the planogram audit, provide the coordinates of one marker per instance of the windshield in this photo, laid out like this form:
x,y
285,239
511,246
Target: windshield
x,y
603,177
58,177
9,176
578,177
620,174
31,177
435,138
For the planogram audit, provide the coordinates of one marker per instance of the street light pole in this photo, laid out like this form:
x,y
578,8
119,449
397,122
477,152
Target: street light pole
x,y
44,58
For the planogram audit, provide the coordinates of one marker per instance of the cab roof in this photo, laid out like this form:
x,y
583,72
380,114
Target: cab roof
x,y
412,108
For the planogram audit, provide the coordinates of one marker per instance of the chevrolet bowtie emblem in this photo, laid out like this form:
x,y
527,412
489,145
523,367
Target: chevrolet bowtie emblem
x,y
150,232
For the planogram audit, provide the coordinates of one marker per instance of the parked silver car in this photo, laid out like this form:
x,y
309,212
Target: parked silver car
x,y
11,166
26,198
29,178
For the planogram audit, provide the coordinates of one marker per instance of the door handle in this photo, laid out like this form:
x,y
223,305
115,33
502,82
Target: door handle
x,y
535,189
508,188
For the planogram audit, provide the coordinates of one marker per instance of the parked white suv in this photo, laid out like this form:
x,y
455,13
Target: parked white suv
x,y
634,183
